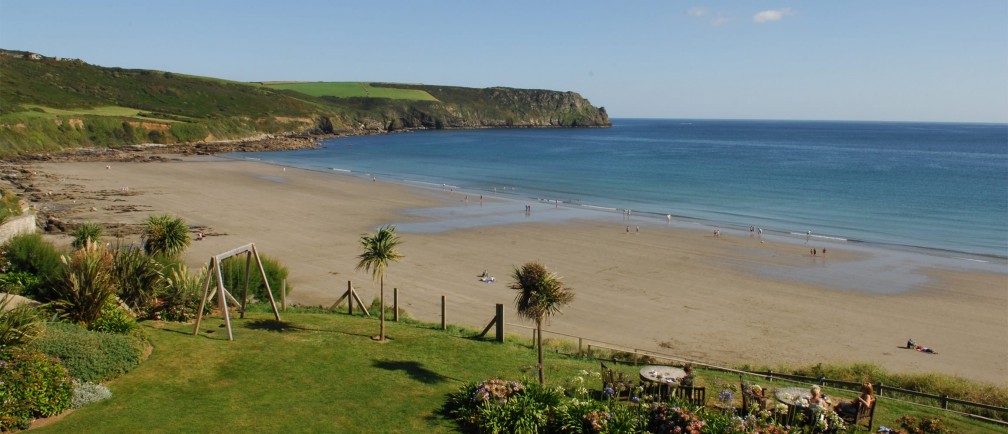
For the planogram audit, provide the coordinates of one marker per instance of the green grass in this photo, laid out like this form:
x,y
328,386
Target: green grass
x,y
351,89
318,372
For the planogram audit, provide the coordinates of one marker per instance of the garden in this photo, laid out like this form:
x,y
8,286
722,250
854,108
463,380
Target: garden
x,y
113,341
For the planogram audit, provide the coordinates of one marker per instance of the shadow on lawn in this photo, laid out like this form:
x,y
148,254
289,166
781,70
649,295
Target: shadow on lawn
x,y
414,369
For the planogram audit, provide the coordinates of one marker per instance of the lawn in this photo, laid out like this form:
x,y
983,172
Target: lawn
x,y
318,372
350,89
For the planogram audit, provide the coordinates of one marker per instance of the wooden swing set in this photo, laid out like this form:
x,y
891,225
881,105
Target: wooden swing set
x,y
223,296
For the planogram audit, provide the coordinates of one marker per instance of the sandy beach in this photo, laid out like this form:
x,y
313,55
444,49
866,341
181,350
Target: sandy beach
x,y
670,288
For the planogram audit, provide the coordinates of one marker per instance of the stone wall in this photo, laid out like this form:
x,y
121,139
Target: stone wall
x,y
24,224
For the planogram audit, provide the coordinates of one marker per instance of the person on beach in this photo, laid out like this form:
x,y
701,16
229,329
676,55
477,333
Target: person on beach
x,y
669,218
638,229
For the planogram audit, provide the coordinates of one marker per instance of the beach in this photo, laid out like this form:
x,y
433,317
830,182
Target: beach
x,y
670,288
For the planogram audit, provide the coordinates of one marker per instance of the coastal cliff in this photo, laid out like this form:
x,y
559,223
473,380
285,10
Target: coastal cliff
x,y
50,104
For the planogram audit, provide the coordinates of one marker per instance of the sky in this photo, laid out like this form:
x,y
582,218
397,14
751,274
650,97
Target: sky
x,y
898,60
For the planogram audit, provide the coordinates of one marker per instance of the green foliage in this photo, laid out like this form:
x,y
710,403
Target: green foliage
x,y
181,296
90,356
32,385
379,252
18,325
353,89
189,132
540,294
29,253
86,393
85,234
165,235
10,205
114,319
85,285
19,283
911,425
233,271
138,278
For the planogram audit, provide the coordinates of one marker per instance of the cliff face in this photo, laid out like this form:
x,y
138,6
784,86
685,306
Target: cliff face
x,y
496,107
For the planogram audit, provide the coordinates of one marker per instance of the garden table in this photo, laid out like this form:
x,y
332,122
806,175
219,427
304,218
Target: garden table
x,y
662,374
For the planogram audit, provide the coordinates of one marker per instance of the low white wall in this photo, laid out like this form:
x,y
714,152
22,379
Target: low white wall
x,y
24,224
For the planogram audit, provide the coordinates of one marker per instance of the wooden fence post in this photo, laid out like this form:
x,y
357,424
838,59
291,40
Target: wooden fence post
x,y
349,289
283,295
500,323
444,321
580,345
395,304
944,401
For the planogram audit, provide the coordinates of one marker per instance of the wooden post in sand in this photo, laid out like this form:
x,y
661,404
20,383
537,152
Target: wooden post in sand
x,y
444,320
395,304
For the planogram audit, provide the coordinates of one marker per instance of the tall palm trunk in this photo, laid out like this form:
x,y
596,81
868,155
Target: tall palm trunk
x,y
381,301
542,374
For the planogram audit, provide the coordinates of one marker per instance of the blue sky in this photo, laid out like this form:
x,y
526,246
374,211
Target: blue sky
x,y
919,60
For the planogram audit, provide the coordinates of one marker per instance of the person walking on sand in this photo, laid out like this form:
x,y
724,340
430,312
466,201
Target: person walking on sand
x,y
807,236
638,229
669,218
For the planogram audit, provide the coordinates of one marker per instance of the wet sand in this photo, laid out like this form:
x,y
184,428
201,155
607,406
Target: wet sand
x,y
674,289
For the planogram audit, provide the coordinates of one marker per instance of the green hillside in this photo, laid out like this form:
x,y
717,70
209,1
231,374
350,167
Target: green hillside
x,y
50,104
352,89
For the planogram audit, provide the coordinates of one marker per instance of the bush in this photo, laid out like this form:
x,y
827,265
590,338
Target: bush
x,y
114,319
138,279
910,425
32,385
233,271
20,283
84,285
19,325
182,294
500,406
29,253
165,235
85,234
90,356
86,393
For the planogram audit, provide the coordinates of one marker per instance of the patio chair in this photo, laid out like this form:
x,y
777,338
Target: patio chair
x,y
693,395
864,414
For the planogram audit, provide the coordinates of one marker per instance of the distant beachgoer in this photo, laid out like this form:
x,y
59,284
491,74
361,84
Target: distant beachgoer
x,y
814,252
811,252
638,229
807,236
628,229
108,167
824,251
669,218
924,349
911,344
285,169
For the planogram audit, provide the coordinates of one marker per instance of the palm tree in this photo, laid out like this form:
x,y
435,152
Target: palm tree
x,y
165,235
540,295
379,250
87,233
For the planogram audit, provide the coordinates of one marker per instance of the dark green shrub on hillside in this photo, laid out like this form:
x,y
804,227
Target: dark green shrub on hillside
x,y
29,253
189,132
87,233
233,270
90,356
181,296
32,385
84,285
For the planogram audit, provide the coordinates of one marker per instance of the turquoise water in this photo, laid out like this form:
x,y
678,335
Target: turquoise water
x,y
926,185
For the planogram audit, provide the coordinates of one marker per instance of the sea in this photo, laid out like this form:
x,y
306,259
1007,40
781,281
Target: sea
x,y
938,187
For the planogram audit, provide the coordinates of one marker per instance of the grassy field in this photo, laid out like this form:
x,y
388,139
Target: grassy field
x,y
322,373
110,110
349,89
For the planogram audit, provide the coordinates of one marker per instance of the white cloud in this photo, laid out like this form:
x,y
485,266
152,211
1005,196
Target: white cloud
x,y
697,12
771,15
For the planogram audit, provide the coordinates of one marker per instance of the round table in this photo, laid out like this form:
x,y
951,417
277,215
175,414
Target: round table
x,y
796,396
662,374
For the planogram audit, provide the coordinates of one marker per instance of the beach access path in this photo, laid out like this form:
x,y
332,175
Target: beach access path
x,y
666,288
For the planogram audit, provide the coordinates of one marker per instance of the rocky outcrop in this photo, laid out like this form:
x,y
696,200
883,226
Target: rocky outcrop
x,y
466,108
